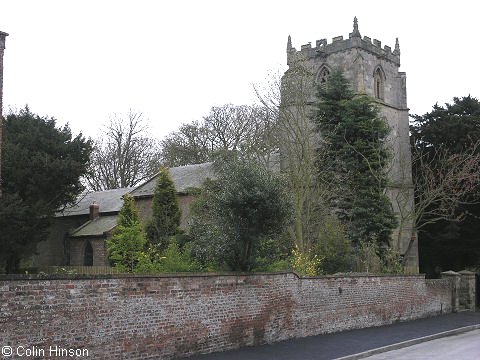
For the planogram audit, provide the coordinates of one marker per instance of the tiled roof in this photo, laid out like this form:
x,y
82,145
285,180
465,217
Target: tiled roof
x,y
184,177
108,201
96,227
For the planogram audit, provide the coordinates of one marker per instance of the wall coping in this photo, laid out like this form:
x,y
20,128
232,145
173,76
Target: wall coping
x,y
466,272
42,277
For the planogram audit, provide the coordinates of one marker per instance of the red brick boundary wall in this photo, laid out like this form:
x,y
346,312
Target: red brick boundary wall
x,y
163,317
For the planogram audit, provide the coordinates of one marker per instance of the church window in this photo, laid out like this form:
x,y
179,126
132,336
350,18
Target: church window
x,y
379,83
88,254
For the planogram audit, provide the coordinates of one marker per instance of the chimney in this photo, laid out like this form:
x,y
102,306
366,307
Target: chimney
x,y
94,211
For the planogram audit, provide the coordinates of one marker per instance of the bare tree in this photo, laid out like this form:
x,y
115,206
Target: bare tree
x,y
124,156
290,98
191,144
243,128
441,183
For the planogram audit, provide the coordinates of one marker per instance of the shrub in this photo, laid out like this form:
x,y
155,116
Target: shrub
x,y
307,263
244,205
128,240
334,247
172,259
370,258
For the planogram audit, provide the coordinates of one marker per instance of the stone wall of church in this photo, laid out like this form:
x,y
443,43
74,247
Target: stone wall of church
x,y
77,251
54,250
144,205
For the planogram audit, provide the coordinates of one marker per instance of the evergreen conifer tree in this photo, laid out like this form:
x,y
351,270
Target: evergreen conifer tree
x,y
166,215
128,241
128,215
354,157
41,169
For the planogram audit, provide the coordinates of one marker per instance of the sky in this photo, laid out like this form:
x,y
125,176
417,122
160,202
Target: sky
x,y
84,61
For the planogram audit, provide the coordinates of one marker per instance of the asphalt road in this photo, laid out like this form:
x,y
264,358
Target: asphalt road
x,y
332,346
458,347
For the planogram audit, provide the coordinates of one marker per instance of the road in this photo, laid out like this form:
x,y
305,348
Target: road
x,y
458,347
346,343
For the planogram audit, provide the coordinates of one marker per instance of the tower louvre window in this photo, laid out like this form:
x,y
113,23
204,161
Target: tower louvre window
x,y
379,84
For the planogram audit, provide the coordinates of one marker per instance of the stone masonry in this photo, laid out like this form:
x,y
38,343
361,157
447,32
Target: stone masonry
x,y
374,71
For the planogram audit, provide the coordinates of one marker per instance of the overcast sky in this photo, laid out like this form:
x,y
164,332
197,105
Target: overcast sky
x,y
81,61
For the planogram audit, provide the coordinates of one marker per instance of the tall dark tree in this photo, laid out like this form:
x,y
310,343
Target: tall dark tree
x,y
166,213
454,129
41,168
354,156
454,126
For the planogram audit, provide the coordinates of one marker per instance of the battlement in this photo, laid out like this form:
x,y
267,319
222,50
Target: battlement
x,y
3,35
323,48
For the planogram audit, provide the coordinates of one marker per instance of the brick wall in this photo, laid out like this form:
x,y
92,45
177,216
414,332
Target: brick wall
x,y
163,317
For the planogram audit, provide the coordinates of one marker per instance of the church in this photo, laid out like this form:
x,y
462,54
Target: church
x,y
372,70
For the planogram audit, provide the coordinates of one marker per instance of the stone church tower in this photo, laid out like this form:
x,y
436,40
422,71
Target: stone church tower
x,y
2,48
374,71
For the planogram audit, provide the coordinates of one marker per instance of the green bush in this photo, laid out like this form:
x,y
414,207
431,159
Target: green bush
x,y
306,263
392,263
279,265
334,247
244,205
148,261
274,254
128,241
209,243
370,258
172,259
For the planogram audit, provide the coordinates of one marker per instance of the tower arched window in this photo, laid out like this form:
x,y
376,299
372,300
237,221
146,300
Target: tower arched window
x,y
88,254
379,83
323,75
